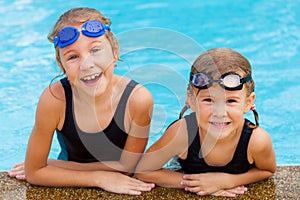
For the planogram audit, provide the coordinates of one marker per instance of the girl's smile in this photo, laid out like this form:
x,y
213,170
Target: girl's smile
x,y
92,80
220,125
220,112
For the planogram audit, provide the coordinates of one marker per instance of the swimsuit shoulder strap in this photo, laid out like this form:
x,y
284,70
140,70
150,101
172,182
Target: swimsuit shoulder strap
x,y
120,112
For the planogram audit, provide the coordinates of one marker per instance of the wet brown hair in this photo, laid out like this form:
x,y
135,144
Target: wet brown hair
x,y
218,61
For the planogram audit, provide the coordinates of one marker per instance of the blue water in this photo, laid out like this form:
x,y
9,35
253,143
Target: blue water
x,y
159,40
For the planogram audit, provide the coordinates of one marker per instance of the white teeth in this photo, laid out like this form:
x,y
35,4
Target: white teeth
x,y
219,124
91,77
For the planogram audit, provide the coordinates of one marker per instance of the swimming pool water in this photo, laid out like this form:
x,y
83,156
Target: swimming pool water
x,y
266,32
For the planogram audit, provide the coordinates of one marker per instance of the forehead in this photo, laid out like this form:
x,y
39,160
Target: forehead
x,y
84,43
216,91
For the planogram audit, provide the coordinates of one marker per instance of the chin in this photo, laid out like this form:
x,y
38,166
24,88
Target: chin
x,y
218,133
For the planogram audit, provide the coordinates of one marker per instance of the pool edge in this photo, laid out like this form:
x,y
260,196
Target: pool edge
x,y
284,184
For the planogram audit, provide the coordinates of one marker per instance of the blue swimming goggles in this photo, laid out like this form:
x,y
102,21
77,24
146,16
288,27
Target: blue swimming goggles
x,y
228,81
69,34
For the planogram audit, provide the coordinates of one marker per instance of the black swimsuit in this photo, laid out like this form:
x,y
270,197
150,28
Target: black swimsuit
x,y
84,147
194,163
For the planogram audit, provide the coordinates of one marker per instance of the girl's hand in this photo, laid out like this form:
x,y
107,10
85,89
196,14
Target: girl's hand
x,y
205,183
120,183
230,192
18,171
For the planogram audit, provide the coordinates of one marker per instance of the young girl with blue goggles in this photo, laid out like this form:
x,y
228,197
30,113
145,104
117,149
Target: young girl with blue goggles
x,y
102,119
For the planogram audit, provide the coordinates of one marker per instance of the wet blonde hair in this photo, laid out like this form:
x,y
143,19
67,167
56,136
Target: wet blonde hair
x,y
218,61
77,16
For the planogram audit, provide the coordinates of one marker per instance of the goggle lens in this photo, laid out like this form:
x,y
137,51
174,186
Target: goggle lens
x,y
94,28
69,34
228,81
231,81
200,79
66,37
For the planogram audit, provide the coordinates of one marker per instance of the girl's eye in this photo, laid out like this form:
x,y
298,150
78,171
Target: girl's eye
x,y
95,50
231,101
72,57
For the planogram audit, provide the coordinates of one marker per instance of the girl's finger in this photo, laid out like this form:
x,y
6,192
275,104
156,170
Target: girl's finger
x,y
224,193
19,164
189,183
189,176
193,189
21,177
238,190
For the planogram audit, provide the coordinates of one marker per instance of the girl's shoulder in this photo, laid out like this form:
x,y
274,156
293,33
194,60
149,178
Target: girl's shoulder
x,y
139,104
51,107
53,96
177,130
174,140
140,96
260,141
261,151
121,82
176,136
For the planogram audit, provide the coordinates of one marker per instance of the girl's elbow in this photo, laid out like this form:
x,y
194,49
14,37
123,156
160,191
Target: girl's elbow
x,y
272,171
273,168
30,178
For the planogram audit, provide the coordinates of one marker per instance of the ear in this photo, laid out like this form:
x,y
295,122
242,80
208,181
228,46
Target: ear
x,y
116,50
58,61
249,102
61,67
190,100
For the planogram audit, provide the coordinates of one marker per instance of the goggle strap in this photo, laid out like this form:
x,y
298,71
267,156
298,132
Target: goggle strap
x,y
246,79
55,41
191,76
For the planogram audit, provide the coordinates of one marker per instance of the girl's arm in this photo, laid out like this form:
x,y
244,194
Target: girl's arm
x,y
38,172
48,116
162,177
260,152
173,142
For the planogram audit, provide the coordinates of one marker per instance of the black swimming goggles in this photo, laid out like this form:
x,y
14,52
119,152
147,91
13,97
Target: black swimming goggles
x,y
69,34
228,81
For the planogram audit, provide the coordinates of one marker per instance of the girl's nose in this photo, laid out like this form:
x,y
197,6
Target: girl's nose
x,y
87,63
219,110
